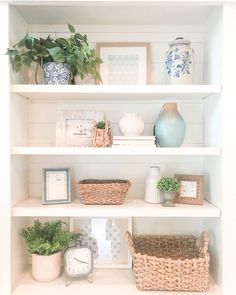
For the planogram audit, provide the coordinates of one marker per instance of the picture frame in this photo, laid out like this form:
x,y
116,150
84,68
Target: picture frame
x,y
106,237
124,63
74,127
56,186
191,190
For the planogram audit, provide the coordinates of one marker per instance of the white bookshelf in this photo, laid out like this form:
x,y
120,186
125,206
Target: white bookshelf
x,y
209,148
106,281
131,207
116,92
116,151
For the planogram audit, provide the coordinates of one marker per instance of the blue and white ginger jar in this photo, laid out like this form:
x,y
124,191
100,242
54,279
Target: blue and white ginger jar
x,y
56,73
180,62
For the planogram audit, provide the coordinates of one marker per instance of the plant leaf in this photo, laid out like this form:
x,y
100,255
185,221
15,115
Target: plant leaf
x,y
55,51
29,42
71,28
11,52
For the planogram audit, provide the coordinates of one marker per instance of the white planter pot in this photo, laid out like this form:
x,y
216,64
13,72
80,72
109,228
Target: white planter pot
x,y
131,125
179,62
152,193
46,268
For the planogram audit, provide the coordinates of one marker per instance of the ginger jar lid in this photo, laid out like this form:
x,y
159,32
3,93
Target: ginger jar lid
x,y
179,41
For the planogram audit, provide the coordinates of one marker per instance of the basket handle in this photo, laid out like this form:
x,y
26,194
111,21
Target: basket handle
x,y
203,243
130,242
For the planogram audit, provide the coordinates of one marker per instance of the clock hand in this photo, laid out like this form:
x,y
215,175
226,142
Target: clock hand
x,y
80,260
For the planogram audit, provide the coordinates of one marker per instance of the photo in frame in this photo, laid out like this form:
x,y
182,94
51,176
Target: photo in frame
x,y
74,127
191,189
124,63
106,237
56,186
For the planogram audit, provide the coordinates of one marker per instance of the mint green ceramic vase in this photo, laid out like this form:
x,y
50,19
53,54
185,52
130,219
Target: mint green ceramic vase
x,y
170,126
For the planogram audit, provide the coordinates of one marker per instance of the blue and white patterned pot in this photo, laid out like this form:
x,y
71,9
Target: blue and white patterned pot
x,y
179,62
56,73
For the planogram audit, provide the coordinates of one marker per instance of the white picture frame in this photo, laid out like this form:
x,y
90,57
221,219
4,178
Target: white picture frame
x,y
106,237
56,186
74,127
124,63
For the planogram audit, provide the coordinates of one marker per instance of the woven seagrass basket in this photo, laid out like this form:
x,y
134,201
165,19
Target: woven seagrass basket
x,y
103,192
170,262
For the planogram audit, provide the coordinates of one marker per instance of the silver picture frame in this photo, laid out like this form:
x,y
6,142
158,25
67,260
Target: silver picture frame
x,y
56,186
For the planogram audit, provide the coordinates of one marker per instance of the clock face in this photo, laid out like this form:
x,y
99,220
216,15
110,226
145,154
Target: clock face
x,y
78,261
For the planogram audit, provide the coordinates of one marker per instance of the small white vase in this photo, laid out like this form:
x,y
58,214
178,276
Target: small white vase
x,y
131,125
46,268
152,193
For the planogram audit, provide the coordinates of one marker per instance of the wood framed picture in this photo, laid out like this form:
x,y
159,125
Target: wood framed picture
x,y
74,127
124,63
106,237
56,186
191,189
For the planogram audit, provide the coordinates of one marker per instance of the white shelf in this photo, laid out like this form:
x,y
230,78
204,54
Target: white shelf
x,y
106,282
114,92
116,151
131,207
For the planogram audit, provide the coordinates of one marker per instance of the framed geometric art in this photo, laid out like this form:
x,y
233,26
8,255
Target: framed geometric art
x,y
191,189
106,237
124,63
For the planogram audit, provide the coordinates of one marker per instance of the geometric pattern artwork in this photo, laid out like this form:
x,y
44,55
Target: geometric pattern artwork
x,y
123,69
106,238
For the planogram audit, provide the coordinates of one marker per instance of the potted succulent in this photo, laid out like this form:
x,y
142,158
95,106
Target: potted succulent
x,y
101,134
45,241
168,186
62,59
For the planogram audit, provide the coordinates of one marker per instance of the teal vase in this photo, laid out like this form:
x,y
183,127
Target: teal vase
x,y
170,127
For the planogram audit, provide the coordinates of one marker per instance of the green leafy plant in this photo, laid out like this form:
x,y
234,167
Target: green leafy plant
x,y
168,184
101,125
48,238
74,51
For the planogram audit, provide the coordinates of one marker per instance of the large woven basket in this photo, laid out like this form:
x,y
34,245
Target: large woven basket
x,y
103,192
170,262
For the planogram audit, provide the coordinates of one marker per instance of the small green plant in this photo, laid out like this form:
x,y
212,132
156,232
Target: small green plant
x,y
48,238
168,184
101,125
74,51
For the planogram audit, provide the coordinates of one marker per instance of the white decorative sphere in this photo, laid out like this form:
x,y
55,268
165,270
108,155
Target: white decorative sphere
x,y
131,125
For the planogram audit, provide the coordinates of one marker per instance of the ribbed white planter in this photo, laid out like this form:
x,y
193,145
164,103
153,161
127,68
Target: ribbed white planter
x,y
46,268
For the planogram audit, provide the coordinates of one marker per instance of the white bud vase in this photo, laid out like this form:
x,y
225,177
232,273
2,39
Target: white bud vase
x,y
152,193
131,125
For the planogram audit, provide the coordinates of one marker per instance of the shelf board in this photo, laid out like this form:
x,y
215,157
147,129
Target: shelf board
x,y
115,92
131,207
105,281
116,151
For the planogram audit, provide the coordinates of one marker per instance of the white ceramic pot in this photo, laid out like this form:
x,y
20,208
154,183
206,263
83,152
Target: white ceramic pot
x,y
46,268
152,193
179,62
131,125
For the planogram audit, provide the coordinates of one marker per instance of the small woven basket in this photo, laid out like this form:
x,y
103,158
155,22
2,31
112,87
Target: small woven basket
x,y
103,192
170,262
